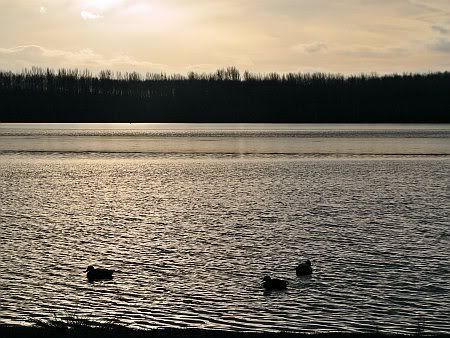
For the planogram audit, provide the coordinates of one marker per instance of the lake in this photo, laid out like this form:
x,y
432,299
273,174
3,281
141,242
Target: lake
x,y
193,216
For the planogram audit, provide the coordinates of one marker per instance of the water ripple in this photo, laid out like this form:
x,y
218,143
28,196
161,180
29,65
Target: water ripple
x,y
191,239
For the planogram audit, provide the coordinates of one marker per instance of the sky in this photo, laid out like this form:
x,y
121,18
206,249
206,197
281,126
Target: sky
x,y
178,36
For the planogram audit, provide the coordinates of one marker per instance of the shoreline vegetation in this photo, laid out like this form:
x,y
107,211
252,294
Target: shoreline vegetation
x,y
75,328
225,96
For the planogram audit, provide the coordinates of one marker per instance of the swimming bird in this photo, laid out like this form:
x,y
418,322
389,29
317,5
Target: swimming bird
x,y
274,283
98,274
304,269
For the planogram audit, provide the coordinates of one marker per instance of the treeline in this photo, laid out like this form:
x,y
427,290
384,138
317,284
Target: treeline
x,y
71,95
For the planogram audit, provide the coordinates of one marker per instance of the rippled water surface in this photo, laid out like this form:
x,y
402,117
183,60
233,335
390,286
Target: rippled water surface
x,y
193,216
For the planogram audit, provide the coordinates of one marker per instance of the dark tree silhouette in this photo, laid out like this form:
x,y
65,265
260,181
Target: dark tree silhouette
x,y
72,95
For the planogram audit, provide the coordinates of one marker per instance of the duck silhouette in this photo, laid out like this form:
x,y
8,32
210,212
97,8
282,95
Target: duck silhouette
x,y
274,283
98,274
304,268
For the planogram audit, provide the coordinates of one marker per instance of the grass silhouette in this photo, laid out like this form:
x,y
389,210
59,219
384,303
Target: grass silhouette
x,y
72,327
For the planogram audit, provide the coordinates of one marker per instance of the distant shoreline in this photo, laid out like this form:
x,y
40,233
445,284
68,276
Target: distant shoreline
x,y
226,96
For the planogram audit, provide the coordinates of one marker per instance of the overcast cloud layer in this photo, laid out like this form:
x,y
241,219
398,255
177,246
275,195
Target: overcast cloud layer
x,y
347,36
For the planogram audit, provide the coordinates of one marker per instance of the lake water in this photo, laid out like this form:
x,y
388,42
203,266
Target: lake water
x,y
193,216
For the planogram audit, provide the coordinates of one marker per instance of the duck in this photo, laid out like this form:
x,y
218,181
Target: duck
x,y
274,283
304,268
98,274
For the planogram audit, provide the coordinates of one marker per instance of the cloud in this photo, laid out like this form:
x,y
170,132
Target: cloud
x,y
260,35
20,57
375,52
362,51
89,16
441,45
310,48
440,29
440,6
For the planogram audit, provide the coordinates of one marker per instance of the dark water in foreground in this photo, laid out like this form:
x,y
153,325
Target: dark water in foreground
x,y
192,217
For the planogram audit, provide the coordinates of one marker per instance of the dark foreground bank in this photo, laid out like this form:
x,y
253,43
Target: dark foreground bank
x,y
86,329
226,96
32,332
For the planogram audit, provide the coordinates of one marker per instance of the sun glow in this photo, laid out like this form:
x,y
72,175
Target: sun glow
x,y
101,5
